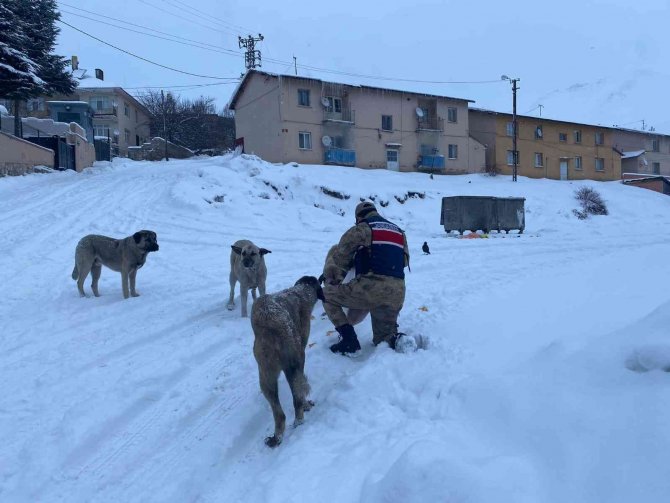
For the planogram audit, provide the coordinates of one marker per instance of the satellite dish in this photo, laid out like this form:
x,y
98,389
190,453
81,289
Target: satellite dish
x,y
326,140
539,132
325,102
419,112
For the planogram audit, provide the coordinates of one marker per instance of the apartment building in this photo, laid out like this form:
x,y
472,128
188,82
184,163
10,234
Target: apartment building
x,y
547,148
284,118
645,152
115,113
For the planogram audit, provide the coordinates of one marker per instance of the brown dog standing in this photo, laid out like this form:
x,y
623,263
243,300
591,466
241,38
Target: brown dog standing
x,y
281,324
122,255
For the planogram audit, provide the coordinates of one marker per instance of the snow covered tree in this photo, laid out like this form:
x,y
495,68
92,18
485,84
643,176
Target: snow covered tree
x,y
28,34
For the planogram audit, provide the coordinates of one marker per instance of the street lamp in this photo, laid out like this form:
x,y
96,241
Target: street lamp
x,y
515,154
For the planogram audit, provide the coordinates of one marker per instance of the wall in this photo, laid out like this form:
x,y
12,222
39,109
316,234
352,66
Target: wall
x,y
18,156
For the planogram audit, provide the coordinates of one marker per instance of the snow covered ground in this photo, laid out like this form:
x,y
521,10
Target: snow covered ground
x,y
546,378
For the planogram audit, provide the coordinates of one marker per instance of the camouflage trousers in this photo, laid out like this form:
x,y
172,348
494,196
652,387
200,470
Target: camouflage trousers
x,y
383,296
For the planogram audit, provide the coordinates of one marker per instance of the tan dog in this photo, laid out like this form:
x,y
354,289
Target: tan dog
x,y
122,255
247,266
281,324
334,275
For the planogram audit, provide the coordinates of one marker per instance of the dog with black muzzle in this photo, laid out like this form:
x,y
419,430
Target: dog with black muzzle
x,y
281,324
247,266
125,255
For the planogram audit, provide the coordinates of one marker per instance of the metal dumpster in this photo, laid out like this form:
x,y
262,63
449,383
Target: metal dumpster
x,y
510,214
468,213
485,213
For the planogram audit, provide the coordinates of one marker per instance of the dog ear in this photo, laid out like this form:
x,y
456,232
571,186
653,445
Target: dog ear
x,y
138,237
236,249
319,293
322,278
263,251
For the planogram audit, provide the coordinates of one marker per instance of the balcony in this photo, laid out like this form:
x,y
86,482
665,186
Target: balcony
x,y
102,112
340,157
431,162
345,116
427,123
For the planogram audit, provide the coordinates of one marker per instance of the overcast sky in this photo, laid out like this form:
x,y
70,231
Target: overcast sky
x,y
602,62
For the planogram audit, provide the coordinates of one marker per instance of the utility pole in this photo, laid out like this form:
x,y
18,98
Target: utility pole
x,y
164,128
515,154
295,64
541,106
251,53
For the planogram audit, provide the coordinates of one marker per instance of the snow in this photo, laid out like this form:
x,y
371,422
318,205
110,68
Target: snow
x,y
3,110
544,378
633,153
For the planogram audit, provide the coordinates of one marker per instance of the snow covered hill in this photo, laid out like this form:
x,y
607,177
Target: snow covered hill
x,y
545,380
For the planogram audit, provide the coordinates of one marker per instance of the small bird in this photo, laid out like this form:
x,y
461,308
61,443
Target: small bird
x,y
425,248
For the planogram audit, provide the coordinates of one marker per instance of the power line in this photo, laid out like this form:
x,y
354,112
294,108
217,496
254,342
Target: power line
x,y
184,86
231,51
182,18
145,59
241,28
196,44
280,63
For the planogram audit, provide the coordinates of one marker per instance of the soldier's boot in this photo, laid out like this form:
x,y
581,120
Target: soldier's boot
x,y
348,341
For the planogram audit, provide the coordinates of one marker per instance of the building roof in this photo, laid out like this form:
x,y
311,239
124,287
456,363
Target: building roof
x,y
599,126
243,83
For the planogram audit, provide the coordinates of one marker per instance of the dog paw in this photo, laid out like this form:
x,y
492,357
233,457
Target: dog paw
x,y
230,307
272,441
308,405
298,422
135,294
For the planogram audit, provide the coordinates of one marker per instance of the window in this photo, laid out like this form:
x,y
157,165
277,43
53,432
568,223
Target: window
x,y
600,164
578,163
387,122
452,114
510,129
36,105
453,151
654,145
101,131
539,160
600,138
656,168
510,157
303,97
126,136
577,135
334,104
99,103
304,140
337,141
562,137
126,110
538,133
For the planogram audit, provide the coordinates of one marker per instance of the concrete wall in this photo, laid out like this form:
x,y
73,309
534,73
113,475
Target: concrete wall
x,y
18,156
84,152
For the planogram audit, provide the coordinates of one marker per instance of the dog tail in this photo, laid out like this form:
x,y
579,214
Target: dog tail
x,y
75,273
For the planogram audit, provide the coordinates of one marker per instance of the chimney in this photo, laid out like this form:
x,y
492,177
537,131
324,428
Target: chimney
x,y
99,74
75,63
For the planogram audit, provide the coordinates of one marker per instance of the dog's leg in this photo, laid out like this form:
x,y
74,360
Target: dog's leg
x,y
95,276
253,293
244,297
299,389
124,282
133,275
270,389
261,287
231,299
84,269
